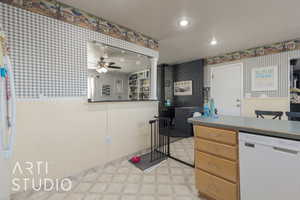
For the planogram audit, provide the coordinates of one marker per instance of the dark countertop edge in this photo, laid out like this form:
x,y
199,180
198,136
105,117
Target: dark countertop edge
x,y
116,101
249,130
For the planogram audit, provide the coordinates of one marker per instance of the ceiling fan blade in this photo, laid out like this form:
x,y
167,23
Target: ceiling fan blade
x,y
114,67
111,63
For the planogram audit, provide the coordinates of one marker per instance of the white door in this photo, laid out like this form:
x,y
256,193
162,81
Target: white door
x,y
226,88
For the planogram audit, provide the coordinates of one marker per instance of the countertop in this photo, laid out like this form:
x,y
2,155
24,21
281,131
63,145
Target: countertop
x,y
105,101
267,127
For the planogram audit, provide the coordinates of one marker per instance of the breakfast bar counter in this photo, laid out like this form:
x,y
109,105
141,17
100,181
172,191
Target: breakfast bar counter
x,y
223,157
267,127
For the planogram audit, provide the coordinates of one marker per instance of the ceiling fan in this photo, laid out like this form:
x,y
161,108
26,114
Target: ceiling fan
x,y
103,67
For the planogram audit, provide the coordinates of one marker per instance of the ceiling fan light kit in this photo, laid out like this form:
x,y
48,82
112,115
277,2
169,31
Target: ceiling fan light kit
x,y
104,66
102,70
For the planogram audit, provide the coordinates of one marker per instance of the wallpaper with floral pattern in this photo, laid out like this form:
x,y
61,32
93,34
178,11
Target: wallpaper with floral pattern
x,y
254,52
66,13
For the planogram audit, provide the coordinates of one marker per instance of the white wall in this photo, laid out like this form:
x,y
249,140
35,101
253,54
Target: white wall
x,y
273,104
281,60
272,100
50,60
71,134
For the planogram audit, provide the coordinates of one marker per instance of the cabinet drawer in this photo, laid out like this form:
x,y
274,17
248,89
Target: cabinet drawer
x,y
218,166
215,187
218,149
215,134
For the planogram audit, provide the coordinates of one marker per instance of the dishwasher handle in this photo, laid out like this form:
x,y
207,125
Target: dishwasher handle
x,y
281,149
285,150
248,144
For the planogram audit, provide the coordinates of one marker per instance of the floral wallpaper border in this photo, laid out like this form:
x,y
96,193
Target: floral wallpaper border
x,y
68,14
278,47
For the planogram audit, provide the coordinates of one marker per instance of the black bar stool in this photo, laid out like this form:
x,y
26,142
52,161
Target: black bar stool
x,y
262,113
293,116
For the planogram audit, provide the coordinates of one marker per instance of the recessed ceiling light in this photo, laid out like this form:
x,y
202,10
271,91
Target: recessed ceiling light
x,y
213,41
184,22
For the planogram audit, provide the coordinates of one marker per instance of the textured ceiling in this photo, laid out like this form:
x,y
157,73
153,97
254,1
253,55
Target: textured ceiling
x,y
236,24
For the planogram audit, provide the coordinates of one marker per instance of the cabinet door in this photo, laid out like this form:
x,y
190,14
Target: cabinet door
x,y
218,135
215,187
217,166
218,149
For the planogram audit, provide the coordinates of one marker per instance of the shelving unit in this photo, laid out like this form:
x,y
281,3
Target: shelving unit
x,y
139,85
295,85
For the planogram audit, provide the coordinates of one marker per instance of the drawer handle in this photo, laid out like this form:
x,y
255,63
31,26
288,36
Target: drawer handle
x,y
213,165
286,150
213,188
247,144
215,135
216,150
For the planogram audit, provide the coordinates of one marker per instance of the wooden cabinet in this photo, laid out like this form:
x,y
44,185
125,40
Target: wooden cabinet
x,y
218,135
218,166
215,187
214,148
216,160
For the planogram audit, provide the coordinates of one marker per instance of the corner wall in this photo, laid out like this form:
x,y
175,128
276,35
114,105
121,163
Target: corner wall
x,y
74,136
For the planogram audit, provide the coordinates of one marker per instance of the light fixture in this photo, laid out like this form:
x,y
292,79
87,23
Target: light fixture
x,y
102,70
213,41
184,22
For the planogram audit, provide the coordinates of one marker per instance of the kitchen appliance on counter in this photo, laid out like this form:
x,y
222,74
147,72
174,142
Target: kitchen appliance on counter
x,y
269,168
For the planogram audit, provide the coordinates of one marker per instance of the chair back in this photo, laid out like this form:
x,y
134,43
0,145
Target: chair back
x,y
181,125
293,116
263,113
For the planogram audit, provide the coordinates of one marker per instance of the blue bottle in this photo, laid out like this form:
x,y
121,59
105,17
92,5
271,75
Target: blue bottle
x,y
206,110
213,108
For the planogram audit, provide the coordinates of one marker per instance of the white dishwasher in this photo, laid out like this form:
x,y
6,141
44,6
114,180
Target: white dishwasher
x,y
269,168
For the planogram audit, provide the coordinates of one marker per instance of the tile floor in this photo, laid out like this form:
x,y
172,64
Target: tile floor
x,y
123,181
